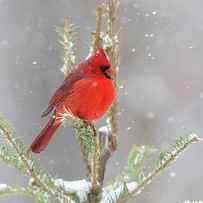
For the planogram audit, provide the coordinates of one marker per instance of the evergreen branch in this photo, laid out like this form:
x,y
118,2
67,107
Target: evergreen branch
x,y
23,159
18,155
9,134
6,190
139,160
66,37
87,136
111,195
29,191
8,155
166,158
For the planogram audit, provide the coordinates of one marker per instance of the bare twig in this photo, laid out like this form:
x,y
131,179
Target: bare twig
x,y
95,161
99,160
95,165
111,13
96,34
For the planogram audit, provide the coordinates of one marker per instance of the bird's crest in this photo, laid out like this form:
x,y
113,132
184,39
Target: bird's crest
x,y
100,57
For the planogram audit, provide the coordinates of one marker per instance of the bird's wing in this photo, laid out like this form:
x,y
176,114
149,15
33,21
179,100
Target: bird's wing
x,y
63,91
83,96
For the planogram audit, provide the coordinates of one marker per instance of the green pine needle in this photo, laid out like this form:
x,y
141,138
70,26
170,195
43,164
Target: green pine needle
x,y
136,169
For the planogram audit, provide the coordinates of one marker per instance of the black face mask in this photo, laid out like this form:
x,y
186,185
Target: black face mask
x,y
104,69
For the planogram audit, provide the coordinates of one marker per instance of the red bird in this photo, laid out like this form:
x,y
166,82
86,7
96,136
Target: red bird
x,y
87,93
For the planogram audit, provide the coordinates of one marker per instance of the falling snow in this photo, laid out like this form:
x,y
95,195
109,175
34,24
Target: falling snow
x,y
201,95
150,115
172,174
3,186
154,13
34,63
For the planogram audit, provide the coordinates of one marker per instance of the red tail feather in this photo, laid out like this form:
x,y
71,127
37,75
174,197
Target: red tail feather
x,y
45,136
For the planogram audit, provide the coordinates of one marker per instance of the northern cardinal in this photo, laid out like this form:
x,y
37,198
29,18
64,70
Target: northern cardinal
x,y
87,93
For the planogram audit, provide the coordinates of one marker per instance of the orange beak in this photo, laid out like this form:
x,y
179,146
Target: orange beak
x,y
112,71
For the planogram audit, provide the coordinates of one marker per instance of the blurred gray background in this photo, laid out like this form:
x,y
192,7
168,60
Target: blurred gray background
x,y
161,73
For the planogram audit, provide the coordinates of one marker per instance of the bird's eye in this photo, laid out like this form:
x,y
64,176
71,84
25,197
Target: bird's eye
x,y
104,68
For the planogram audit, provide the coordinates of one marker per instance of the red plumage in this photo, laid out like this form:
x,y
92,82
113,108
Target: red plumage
x,y
87,93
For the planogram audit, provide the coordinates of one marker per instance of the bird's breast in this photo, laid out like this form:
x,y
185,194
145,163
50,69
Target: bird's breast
x,y
90,98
